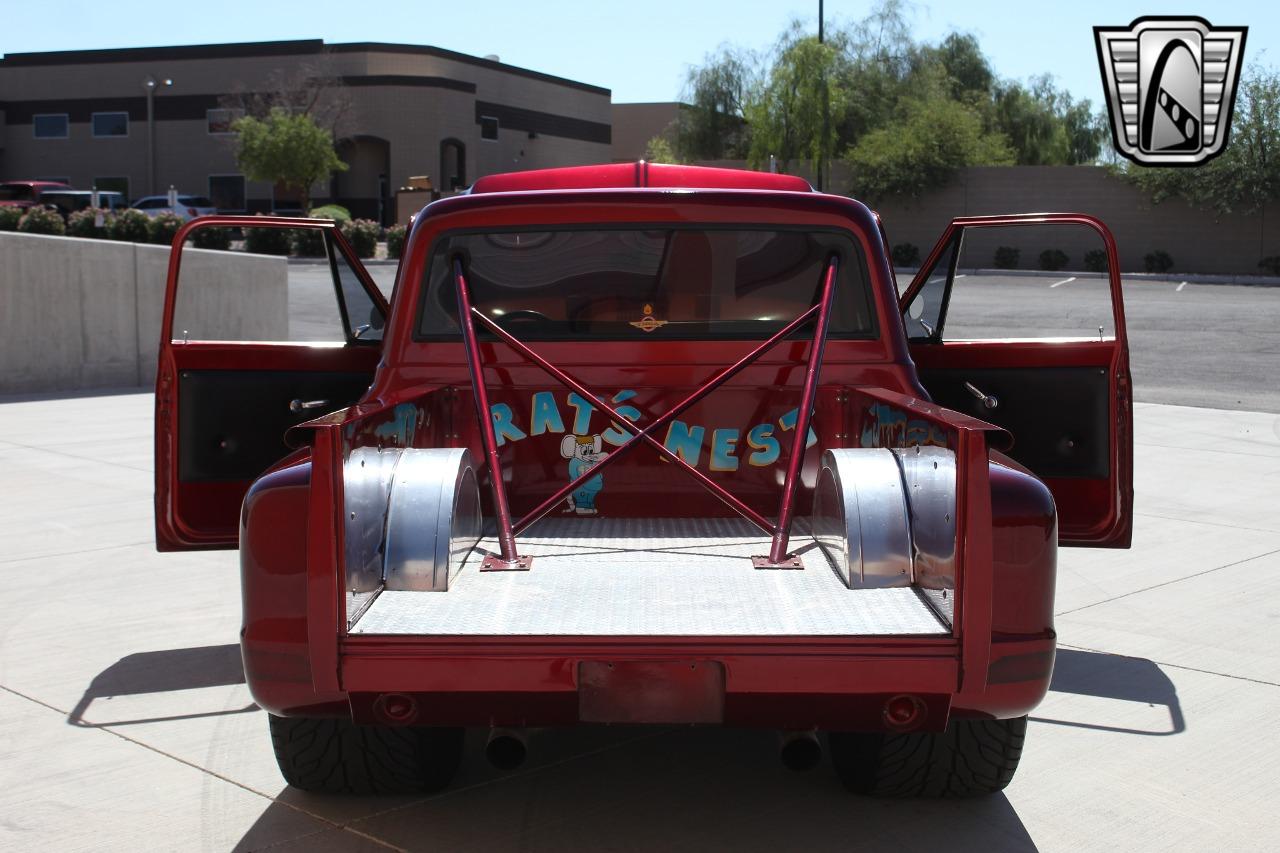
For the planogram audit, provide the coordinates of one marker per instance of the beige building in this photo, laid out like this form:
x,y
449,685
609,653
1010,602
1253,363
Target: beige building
x,y
140,120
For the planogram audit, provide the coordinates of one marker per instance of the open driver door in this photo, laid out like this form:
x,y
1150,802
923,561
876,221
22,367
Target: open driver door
x,y
1042,354
251,345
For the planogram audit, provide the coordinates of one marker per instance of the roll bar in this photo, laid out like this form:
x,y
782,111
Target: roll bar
x,y
778,557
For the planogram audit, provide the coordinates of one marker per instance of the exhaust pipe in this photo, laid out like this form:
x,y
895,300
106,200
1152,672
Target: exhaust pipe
x,y
506,748
800,751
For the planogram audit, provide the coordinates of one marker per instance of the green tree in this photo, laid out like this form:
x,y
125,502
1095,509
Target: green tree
x,y
923,149
1247,173
712,125
660,150
796,111
288,149
969,77
1044,125
879,53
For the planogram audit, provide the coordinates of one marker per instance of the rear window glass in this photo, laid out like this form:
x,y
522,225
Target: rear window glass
x,y
194,201
659,284
15,192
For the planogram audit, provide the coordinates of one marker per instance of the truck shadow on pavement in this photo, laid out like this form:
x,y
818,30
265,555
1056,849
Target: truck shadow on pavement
x,y
596,787
640,788
1124,679
164,672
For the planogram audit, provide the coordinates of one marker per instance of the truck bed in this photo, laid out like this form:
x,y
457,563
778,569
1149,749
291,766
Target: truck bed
x,y
650,577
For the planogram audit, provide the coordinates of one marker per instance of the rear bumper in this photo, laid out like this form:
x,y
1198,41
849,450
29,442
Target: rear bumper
x,y
800,683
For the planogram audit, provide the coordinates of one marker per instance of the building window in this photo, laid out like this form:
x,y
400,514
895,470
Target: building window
x,y
453,164
220,121
488,127
115,185
51,126
110,124
227,192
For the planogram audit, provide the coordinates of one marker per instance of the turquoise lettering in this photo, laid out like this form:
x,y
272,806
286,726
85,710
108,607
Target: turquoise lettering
x,y
685,441
582,414
788,423
724,444
545,414
502,424
764,444
615,435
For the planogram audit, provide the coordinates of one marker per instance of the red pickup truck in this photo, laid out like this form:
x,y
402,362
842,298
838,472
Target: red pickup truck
x,y
646,444
25,194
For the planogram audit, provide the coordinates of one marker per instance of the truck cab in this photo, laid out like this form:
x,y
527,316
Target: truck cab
x,y
638,444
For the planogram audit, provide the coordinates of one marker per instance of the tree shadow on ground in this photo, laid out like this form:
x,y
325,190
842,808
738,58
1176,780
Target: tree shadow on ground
x,y
163,672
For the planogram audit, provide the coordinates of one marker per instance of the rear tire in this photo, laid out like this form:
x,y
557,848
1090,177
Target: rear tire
x,y
336,756
971,758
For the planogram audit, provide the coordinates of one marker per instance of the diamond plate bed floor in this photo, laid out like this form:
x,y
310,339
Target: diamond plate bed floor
x,y
646,577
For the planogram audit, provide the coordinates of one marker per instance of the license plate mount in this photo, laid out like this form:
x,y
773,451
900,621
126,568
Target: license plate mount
x,y
651,691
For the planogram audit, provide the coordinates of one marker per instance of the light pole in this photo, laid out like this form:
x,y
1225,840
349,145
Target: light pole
x,y
149,86
826,109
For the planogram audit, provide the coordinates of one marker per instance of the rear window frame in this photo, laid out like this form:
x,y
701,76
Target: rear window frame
x,y
873,332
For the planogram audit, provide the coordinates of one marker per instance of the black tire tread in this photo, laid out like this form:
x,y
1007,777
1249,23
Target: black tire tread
x,y
336,756
971,758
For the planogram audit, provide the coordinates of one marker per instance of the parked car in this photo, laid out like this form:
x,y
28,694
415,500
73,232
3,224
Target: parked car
x,y
189,206
24,194
69,201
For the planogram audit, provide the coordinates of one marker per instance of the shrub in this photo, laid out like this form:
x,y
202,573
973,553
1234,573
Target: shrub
x,y
42,220
164,227
1158,261
363,235
1095,260
331,211
211,238
1271,264
1006,258
395,240
307,242
906,255
266,241
1053,259
84,223
130,226
9,217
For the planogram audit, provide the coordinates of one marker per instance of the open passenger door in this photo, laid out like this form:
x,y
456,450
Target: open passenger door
x,y
251,345
1032,352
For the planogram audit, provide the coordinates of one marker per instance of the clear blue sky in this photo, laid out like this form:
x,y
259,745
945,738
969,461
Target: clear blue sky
x,y
639,50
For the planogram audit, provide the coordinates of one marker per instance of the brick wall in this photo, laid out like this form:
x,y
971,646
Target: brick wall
x,y
1197,240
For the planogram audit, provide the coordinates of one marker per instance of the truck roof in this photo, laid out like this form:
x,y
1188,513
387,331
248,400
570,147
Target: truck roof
x,y
638,174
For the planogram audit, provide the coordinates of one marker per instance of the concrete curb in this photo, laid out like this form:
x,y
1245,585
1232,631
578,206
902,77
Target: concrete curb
x,y
1161,278
368,262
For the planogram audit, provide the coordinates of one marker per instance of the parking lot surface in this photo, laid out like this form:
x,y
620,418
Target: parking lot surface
x,y
1190,343
125,723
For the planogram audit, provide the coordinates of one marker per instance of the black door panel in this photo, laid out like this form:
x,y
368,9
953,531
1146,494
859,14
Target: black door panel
x,y
1058,416
231,423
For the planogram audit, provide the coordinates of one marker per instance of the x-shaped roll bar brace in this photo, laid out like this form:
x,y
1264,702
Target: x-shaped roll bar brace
x,y
509,559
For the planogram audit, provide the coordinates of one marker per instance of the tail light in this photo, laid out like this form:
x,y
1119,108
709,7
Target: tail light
x,y
191,211
904,712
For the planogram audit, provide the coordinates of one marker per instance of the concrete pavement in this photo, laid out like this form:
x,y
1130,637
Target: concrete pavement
x,y
125,723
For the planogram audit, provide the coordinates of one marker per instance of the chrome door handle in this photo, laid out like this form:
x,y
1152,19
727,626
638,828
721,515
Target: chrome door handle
x,y
303,405
987,400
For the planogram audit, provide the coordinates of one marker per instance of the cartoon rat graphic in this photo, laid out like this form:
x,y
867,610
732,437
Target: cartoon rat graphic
x,y
583,453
